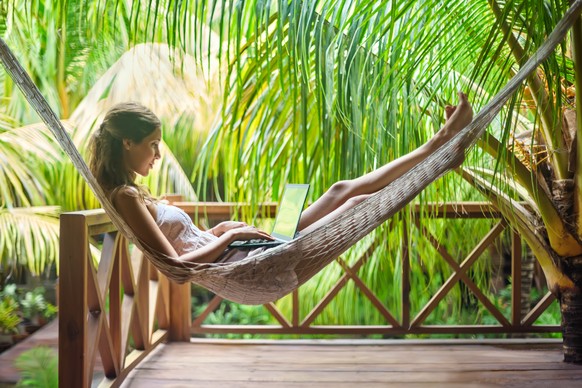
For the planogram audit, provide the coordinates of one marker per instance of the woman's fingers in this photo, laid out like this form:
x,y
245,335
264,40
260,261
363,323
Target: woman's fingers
x,y
250,232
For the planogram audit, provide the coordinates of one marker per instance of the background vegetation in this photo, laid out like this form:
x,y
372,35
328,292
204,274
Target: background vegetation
x,y
255,94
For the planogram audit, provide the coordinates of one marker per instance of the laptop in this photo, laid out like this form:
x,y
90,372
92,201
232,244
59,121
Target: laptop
x,y
287,220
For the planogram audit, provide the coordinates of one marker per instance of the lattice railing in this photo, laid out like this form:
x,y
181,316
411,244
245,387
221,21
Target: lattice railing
x,y
406,323
115,310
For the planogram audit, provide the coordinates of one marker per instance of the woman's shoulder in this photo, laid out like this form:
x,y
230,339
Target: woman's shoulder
x,y
124,194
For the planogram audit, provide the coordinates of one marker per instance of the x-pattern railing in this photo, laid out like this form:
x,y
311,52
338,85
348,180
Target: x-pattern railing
x,y
406,325
120,309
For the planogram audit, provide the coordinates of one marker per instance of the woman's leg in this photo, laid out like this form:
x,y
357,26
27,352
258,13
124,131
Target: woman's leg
x,y
337,198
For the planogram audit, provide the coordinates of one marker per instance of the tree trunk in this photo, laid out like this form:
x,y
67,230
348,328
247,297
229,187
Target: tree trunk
x,y
571,307
528,263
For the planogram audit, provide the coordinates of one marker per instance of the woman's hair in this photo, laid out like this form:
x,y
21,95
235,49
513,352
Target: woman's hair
x,y
127,120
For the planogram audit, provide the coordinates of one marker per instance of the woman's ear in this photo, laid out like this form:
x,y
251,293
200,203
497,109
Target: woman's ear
x,y
127,144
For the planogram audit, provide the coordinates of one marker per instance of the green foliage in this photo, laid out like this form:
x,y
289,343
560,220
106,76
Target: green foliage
x,y
67,47
233,314
51,311
31,305
338,88
9,295
38,367
30,239
9,318
552,315
34,305
9,308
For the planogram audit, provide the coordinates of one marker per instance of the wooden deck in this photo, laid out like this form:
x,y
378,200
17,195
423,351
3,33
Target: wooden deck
x,y
343,363
125,300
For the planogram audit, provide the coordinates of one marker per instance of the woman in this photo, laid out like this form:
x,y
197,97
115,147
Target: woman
x,y
127,144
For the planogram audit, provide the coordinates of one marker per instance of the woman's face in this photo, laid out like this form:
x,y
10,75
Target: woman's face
x,y
140,157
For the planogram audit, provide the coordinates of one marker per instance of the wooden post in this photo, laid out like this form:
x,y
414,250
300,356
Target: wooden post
x,y
180,312
180,301
405,309
74,370
515,279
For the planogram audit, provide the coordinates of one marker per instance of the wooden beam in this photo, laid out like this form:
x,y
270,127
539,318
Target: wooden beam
x,y
73,263
370,295
369,329
337,286
143,299
212,305
451,281
463,275
538,309
108,252
115,310
277,314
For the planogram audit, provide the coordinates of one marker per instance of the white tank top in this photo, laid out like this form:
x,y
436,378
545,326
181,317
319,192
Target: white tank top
x,y
179,229
185,237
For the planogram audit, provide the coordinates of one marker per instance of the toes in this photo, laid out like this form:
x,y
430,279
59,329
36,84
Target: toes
x,y
449,110
462,97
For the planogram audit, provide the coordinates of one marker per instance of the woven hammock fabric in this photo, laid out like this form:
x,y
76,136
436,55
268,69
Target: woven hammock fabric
x,y
274,273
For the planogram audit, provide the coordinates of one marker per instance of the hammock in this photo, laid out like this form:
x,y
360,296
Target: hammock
x,y
274,273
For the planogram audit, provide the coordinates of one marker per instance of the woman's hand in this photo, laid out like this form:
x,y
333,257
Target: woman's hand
x,y
248,233
225,226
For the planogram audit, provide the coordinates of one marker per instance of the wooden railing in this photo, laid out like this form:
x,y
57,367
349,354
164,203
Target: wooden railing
x,y
406,323
120,308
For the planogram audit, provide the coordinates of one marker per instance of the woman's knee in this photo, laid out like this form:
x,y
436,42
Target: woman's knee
x,y
342,190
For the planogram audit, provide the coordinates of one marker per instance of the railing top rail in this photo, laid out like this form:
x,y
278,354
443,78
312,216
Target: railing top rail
x,y
448,209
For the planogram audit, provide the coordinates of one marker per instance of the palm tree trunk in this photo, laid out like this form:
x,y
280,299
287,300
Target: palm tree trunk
x,y
571,307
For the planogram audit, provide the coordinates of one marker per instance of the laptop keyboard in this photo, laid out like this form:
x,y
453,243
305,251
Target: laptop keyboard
x,y
254,241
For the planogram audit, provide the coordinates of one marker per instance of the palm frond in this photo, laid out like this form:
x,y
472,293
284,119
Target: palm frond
x,y
30,238
28,159
529,227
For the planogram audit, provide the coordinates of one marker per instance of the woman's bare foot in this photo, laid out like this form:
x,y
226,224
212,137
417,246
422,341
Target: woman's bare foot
x,y
458,117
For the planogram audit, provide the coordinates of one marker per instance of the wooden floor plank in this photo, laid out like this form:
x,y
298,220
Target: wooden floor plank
x,y
143,383
326,364
226,377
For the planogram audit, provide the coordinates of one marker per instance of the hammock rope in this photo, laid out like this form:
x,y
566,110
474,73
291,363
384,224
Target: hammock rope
x,y
274,273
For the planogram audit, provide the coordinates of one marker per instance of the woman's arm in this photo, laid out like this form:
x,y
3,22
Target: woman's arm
x,y
137,216
210,252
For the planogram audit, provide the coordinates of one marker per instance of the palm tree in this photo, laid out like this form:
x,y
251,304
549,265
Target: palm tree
x,y
342,87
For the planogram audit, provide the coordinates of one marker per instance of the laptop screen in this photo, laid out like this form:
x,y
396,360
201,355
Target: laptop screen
x,y
289,212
